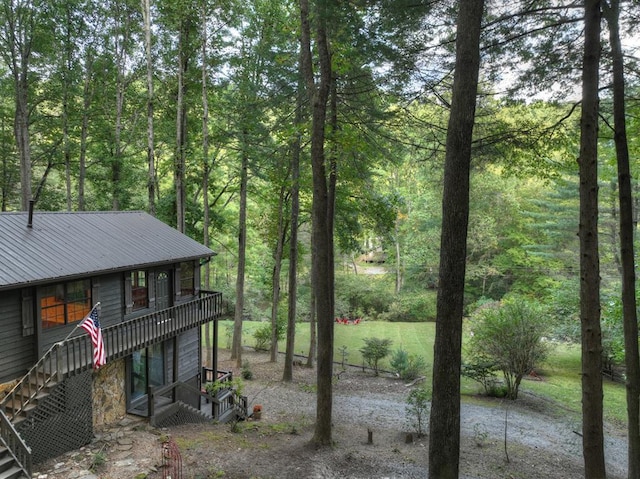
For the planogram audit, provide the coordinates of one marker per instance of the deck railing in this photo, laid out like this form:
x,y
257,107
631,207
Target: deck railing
x,y
220,403
226,399
14,443
75,355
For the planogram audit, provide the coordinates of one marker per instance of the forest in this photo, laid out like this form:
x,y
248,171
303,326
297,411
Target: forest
x,y
306,140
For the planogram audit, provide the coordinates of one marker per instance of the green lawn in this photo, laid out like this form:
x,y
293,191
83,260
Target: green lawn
x,y
560,373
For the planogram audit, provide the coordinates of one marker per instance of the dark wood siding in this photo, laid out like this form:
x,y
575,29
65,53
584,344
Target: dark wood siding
x,y
188,355
17,350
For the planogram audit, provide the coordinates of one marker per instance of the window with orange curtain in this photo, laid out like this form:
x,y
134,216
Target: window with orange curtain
x,y
65,303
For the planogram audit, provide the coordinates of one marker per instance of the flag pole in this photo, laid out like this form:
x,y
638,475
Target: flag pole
x,y
79,323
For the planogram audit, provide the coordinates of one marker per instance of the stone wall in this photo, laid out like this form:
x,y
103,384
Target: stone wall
x,y
109,395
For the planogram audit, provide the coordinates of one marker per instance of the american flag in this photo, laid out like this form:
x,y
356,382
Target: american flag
x,y
91,325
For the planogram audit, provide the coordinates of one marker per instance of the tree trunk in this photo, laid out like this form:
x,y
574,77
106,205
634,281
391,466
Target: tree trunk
x,y
67,68
181,120
313,329
293,240
87,94
205,163
592,427
151,174
321,234
17,38
117,160
627,254
236,350
275,279
396,240
444,453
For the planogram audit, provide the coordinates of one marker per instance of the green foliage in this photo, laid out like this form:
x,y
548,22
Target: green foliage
x,y
510,335
407,366
343,352
99,459
418,409
236,385
374,350
362,295
246,372
412,307
612,330
228,334
563,304
262,334
483,372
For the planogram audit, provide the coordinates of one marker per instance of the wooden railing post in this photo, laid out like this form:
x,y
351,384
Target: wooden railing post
x,y
58,362
151,402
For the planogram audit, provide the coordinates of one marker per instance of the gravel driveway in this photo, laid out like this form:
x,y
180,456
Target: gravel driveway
x,y
366,402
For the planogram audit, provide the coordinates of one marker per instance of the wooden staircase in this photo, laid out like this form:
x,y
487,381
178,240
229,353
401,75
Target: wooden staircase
x,y
20,404
11,446
9,468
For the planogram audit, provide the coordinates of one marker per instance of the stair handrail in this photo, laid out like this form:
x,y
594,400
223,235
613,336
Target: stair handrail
x,y
155,391
14,443
50,369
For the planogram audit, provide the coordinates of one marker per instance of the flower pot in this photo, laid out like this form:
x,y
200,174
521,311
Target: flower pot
x,y
257,412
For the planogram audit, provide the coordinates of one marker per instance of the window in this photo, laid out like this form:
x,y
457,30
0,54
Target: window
x,y
139,290
187,279
65,303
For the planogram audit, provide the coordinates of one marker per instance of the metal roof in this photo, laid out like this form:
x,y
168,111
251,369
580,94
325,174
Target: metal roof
x,y
64,245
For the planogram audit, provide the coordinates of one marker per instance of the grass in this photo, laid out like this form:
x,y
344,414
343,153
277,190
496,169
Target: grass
x,y
561,382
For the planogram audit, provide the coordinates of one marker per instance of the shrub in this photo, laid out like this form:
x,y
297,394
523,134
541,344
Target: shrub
x,y
246,372
418,409
262,334
484,372
510,336
362,294
374,350
407,366
412,307
612,330
236,386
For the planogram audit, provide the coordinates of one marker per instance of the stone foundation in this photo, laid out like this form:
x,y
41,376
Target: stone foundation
x,y
109,395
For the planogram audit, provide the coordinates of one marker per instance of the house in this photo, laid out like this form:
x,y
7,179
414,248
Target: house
x,y
144,279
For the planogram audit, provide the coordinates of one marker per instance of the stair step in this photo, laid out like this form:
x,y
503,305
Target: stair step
x,y
28,396
6,461
13,473
16,405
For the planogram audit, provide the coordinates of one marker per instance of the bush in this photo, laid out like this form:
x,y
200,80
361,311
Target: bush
x,y
418,409
362,295
412,307
246,372
407,366
483,372
374,350
613,330
510,335
262,334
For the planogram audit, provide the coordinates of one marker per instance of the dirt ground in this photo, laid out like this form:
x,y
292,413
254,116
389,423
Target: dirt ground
x,y
542,440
